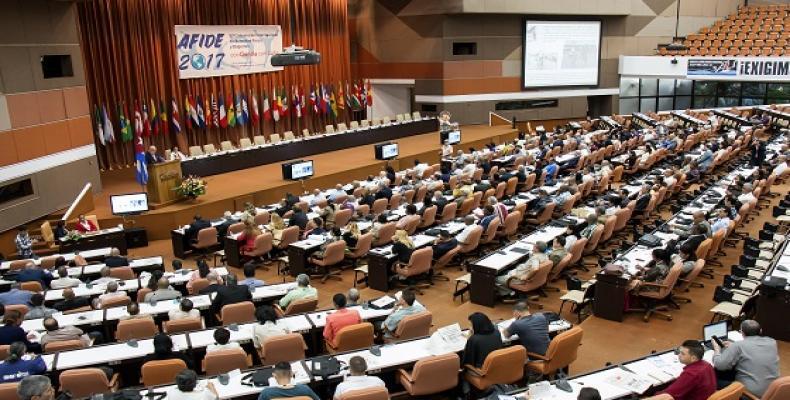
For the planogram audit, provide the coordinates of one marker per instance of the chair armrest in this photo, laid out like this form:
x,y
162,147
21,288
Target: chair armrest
x,y
402,372
114,382
749,395
474,370
538,356
653,284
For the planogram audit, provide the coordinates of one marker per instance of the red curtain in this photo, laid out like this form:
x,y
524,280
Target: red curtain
x,y
129,53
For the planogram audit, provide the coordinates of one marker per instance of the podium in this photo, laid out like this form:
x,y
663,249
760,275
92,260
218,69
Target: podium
x,y
163,178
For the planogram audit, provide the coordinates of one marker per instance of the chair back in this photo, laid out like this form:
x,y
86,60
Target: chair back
x,y
342,217
732,392
48,262
428,217
18,264
262,218
364,243
353,337
414,325
31,286
259,140
537,281
226,360
263,245
301,306
63,345
608,228
137,328
545,214
530,182
4,351
511,224
448,212
226,145
198,285
395,201
446,258
434,374
117,301
472,240
498,367
422,191
370,393
237,313
182,325
161,372
685,284
274,138
716,241
289,347
379,206
195,151
290,235
288,135
778,389
622,216
123,273
704,248
617,174
245,143
333,254
8,391
466,207
209,148
499,192
386,232
419,262
490,233
236,228
206,237
592,243
563,350
557,269
84,382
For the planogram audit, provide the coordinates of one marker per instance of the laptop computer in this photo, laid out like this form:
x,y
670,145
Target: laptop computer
x,y
715,331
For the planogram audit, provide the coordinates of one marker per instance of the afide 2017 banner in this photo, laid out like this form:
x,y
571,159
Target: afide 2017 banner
x,y
219,50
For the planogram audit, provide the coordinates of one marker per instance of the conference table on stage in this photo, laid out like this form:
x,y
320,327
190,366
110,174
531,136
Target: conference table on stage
x,y
233,160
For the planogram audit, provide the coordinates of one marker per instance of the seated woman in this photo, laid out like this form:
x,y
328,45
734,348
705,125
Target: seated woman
x,y
18,365
84,225
276,226
247,237
186,388
351,236
163,350
686,257
11,331
655,273
402,246
485,339
201,273
266,326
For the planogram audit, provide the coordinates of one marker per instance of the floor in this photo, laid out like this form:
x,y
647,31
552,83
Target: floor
x,y
604,341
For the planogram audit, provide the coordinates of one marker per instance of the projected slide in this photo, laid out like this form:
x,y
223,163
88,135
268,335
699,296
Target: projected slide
x,y
561,53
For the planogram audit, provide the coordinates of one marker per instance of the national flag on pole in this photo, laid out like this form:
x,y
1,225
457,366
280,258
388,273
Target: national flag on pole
x,y
174,117
193,114
109,132
201,116
369,94
138,119
162,118
302,104
275,105
296,103
207,109
324,104
353,98
333,102
239,115
341,97
187,113
313,100
141,173
126,127
146,121
214,111
255,115
223,115
283,102
267,112
231,112
154,119
245,112
99,124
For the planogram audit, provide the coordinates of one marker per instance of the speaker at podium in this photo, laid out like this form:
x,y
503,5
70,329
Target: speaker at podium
x,y
163,179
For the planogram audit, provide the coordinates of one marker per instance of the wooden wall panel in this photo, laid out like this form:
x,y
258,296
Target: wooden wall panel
x,y
8,154
23,109
80,131
30,142
50,105
56,137
76,101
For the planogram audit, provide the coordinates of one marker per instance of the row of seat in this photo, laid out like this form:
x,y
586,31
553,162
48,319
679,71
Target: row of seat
x,y
274,138
766,51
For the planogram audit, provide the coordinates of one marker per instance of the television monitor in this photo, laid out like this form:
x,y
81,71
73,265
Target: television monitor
x,y
561,53
718,329
131,203
386,151
451,137
297,170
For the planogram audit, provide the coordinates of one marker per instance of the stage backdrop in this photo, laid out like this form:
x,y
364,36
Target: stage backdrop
x,y
131,62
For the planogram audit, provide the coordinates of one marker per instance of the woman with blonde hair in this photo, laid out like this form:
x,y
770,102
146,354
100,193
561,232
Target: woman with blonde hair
x,y
351,236
402,246
247,237
277,226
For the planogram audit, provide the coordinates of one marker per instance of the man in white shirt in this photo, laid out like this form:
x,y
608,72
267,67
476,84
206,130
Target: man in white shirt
x,y
746,195
722,221
111,293
356,378
669,178
185,310
222,337
104,277
463,236
176,154
781,167
64,280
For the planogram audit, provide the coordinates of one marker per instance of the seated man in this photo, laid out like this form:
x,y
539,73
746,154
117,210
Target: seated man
x,y
185,310
104,277
37,309
84,225
524,271
558,251
54,333
71,301
249,277
755,359
35,387
34,273
16,296
443,244
592,224
463,237
339,319
698,219
222,339
284,389
721,222
163,292
411,217
64,280
111,292
357,378
115,259
488,216
532,329
230,293
698,380
213,283
302,290
404,307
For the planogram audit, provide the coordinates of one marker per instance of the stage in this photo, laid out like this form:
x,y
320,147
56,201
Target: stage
x,y
264,184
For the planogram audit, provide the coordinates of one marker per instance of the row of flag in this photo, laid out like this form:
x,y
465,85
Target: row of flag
x,y
230,110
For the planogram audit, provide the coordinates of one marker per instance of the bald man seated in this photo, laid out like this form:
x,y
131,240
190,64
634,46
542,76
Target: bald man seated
x,y
163,292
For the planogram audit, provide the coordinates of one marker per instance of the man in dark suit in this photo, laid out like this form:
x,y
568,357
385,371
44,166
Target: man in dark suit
x,y
231,293
151,157
197,224
642,199
213,283
115,259
70,301
439,201
384,192
34,273
298,218
227,221
694,240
